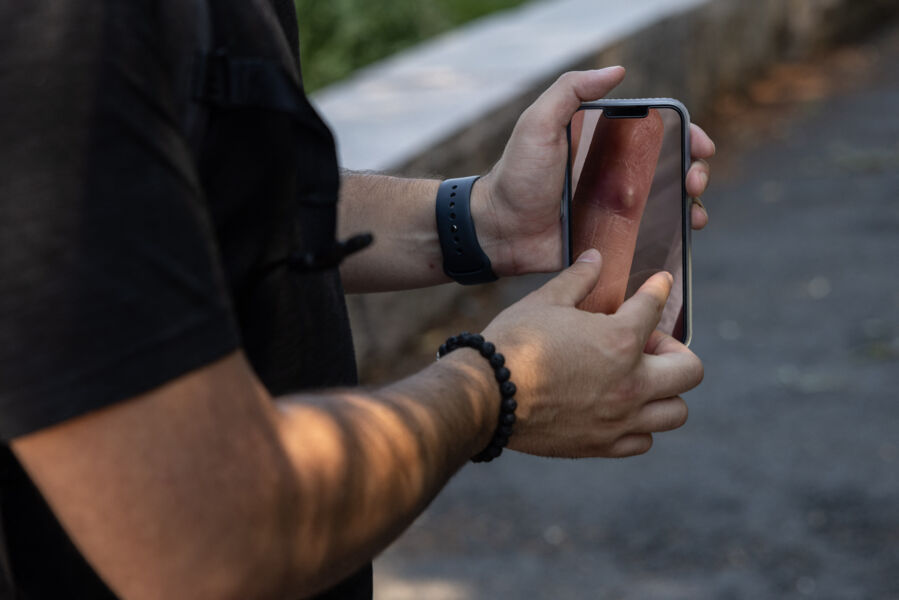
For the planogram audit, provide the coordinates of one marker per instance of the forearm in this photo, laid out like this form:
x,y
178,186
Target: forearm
x,y
203,488
401,214
376,462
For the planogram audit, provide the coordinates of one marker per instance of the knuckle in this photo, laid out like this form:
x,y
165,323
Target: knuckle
x,y
552,292
567,78
684,414
624,344
700,372
678,416
528,116
629,391
632,445
644,445
697,371
652,301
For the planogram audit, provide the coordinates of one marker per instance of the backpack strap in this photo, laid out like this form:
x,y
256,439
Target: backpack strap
x,y
196,113
236,82
224,79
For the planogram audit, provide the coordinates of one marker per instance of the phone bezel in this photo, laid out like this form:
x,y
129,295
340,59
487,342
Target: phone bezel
x,y
647,103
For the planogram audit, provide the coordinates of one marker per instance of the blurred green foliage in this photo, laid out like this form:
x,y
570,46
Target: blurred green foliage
x,y
338,36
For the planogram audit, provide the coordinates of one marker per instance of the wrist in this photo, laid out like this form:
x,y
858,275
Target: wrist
x,y
466,370
505,424
487,223
464,260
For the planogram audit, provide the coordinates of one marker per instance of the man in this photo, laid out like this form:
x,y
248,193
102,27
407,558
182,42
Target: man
x,y
175,383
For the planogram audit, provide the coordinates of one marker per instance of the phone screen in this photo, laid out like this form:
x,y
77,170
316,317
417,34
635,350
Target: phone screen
x,y
626,198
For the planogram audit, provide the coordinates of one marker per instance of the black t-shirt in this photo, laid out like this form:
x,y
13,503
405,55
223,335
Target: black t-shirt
x,y
136,246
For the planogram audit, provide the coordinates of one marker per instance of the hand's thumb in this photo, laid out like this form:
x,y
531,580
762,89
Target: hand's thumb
x,y
554,108
574,283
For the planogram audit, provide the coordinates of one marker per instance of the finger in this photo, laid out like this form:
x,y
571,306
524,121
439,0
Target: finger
x,y
699,217
698,178
660,342
657,343
661,415
701,145
552,111
643,310
670,374
631,445
574,283
671,366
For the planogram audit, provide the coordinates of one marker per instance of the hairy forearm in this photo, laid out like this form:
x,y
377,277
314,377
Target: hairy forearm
x,y
400,213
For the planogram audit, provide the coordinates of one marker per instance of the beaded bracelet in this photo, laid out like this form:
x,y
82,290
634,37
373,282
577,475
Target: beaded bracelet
x,y
507,390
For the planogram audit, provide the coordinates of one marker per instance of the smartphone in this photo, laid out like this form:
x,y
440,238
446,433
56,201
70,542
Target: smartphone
x,y
625,194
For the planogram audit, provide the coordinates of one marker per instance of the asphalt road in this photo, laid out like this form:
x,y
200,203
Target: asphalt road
x,y
785,481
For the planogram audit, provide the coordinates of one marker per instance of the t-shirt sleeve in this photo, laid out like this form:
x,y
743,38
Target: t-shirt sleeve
x,y
110,281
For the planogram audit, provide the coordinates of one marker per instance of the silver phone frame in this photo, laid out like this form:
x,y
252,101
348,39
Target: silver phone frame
x,y
686,222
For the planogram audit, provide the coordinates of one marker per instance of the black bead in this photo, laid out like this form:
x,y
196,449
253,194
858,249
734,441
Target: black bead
x,y
487,454
470,340
507,389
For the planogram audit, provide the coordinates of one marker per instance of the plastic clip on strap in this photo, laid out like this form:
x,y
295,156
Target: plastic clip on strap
x,y
463,258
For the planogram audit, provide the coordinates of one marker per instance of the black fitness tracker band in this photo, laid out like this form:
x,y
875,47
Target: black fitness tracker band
x,y
463,258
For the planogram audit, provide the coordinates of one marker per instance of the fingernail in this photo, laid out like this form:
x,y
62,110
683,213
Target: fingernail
x,y
591,255
609,68
670,278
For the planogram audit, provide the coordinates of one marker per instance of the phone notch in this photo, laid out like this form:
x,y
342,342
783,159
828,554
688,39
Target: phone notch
x,y
626,112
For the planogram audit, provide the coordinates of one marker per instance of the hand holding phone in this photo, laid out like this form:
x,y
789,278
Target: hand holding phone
x,y
625,196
